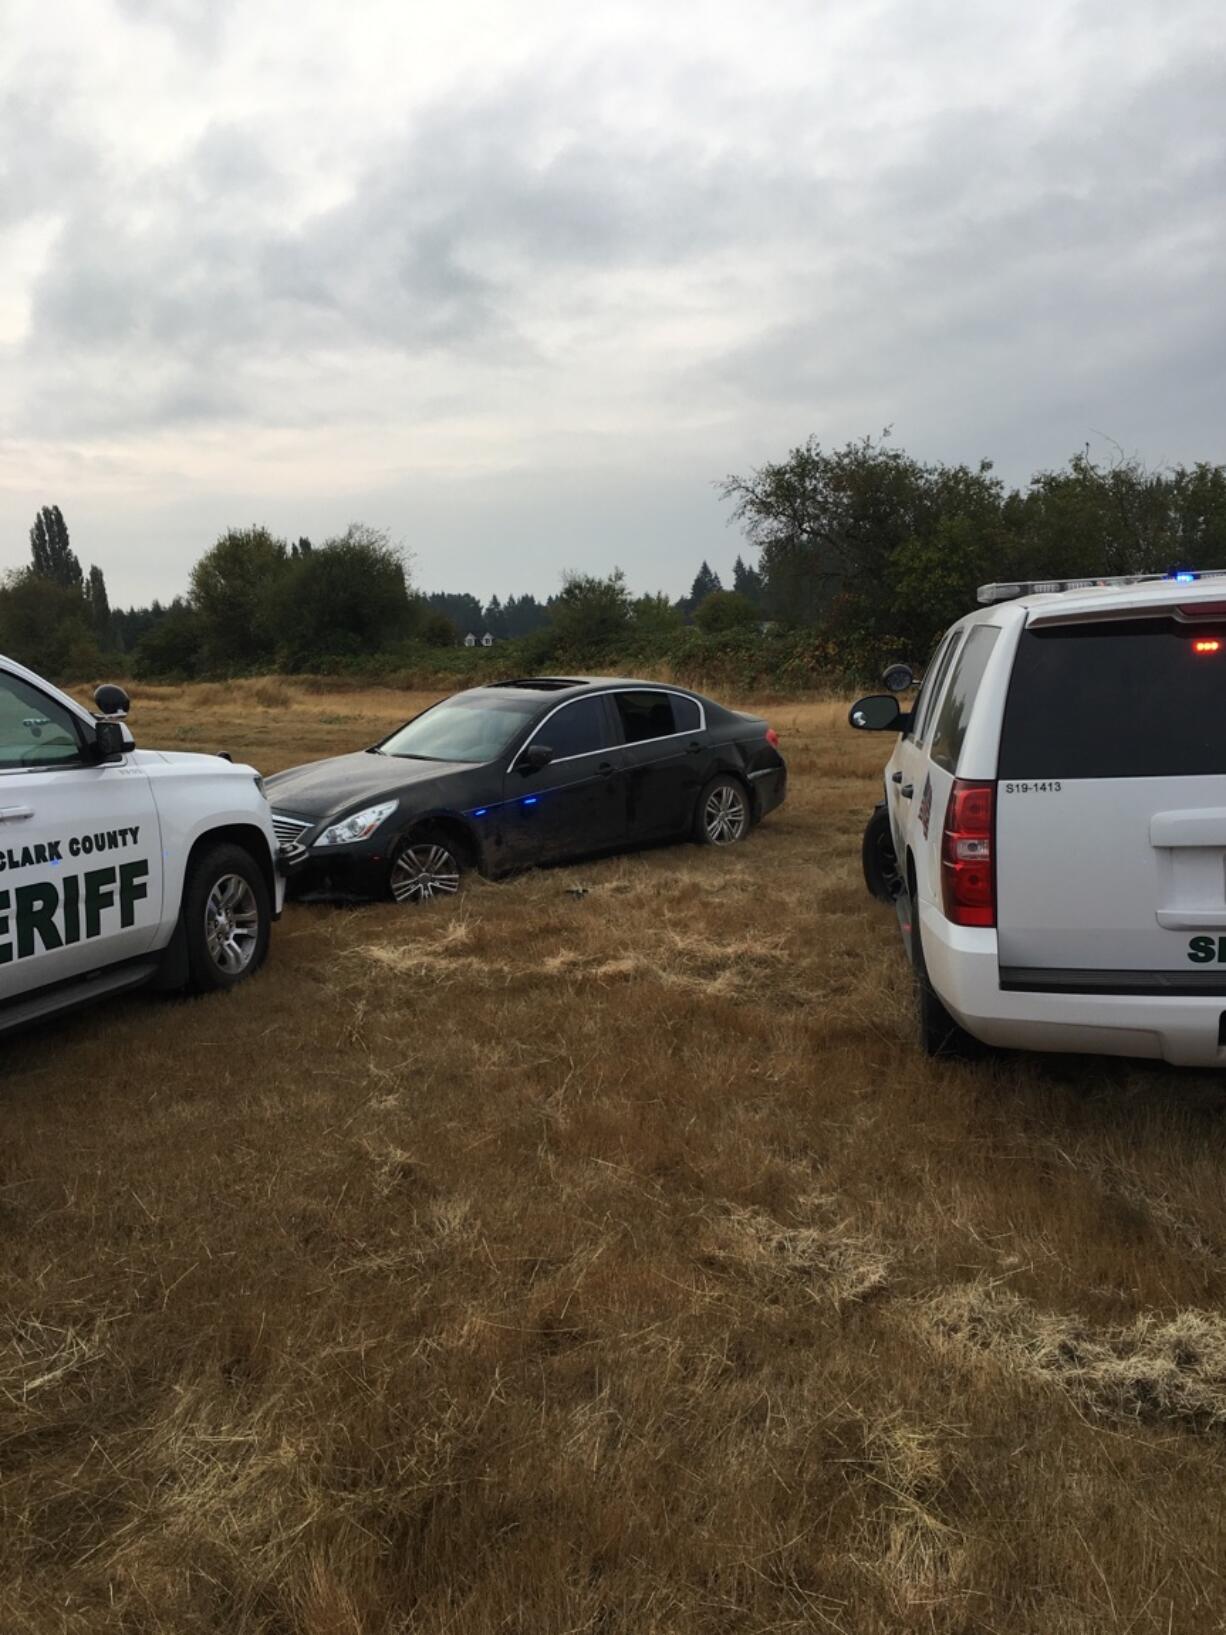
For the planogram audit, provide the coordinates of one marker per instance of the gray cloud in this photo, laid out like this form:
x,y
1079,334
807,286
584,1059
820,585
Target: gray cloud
x,y
996,235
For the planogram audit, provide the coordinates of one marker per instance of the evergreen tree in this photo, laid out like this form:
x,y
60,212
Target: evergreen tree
x,y
494,620
52,556
99,606
705,581
747,582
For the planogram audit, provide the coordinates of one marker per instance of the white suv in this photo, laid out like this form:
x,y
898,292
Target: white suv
x,y
121,866
1054,823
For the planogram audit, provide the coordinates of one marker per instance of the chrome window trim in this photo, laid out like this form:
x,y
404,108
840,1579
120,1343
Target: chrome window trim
x,y
611,692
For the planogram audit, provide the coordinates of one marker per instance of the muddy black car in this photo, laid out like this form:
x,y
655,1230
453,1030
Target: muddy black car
x,y
523,772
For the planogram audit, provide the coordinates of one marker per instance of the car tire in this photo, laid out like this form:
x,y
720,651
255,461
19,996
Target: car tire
x,y
227,919
939,1034
425,865
723,815
878,858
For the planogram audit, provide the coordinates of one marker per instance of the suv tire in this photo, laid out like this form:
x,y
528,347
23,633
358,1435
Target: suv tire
x,y
878,858
227,917
939,1034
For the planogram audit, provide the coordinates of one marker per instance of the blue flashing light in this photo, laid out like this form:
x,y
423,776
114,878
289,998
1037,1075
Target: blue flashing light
x,y
530,800
481,811
1185,578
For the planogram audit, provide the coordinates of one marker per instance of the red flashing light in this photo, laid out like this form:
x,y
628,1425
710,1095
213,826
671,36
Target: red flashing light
x,y
772,737
1207,644
968,874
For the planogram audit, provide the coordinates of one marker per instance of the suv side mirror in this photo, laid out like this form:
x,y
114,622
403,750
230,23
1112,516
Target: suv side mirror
x,y
879,713
109,740
111,700
898,677
534,759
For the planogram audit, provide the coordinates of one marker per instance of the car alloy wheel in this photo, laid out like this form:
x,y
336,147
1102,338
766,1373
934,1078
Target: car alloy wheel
x,y
725,817
424,871
231,924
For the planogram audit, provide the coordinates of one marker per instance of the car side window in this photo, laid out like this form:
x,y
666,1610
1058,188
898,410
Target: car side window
x,y
35,731
687,717
580,728
952,722
934,680
645,715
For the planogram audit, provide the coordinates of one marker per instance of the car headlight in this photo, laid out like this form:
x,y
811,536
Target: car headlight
x,y
358,827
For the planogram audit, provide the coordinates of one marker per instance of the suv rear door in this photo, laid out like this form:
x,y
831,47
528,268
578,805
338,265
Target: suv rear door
x,y
1111,808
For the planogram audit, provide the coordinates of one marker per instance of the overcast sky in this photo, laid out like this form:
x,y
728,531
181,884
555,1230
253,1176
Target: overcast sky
x,y
518,282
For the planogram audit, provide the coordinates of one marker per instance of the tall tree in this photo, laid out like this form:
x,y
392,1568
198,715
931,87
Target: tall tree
x,y
747,582
233,592
52,555
705,581
494,620
99,606
346,598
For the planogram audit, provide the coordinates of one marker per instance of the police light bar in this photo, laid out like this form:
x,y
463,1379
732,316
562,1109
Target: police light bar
x,y
1007,591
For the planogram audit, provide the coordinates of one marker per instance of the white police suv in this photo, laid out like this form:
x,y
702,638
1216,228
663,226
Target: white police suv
x,y
1054,824
121,866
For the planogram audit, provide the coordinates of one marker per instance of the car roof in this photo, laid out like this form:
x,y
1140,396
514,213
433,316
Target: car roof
x,y
560,687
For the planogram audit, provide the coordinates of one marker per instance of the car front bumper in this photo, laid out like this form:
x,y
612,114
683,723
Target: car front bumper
x,y
342,873
964,968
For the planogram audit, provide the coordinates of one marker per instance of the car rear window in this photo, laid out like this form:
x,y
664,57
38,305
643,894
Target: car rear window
x,y
1125,699
950,730
687,717
645,715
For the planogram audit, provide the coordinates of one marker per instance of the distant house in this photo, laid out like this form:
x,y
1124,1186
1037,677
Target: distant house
x,y
470,640
487,640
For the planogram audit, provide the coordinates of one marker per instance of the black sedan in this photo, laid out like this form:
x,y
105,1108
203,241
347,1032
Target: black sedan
x,y
524,772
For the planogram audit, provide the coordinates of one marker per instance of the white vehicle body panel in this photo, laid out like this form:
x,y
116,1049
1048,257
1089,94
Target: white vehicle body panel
x,y
1106,878
94,856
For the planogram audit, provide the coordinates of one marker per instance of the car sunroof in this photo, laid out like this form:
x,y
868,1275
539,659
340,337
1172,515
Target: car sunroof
x,y
541,684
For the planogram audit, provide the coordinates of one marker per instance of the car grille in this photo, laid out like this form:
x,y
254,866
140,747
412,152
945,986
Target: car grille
x,y
287,828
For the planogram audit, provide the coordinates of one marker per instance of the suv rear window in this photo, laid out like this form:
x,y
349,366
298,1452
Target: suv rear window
x,y
1126,699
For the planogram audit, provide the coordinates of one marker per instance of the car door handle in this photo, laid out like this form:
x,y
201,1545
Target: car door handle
x,y
897,778
15,814
606,769
907,790
693,749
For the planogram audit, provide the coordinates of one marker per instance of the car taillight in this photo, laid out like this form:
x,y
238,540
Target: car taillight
x,y
772,737
968,875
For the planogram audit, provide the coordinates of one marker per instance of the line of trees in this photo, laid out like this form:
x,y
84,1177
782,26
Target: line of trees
x,y
863,553
878,549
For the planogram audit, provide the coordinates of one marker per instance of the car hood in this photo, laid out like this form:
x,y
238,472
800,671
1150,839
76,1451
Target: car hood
x,y
344,783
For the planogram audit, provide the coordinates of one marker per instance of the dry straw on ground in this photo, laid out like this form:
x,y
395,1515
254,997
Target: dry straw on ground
x,y
596,1253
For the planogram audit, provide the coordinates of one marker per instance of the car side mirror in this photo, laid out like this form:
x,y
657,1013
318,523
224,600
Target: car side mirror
x,y
110,741
111,700
898,677
879,713
534,759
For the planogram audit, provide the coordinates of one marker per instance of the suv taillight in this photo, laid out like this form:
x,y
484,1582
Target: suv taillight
x,y
968,874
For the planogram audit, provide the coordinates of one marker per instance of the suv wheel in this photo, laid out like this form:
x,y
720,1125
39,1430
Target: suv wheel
x,y
425,866
939,1034
227,918
878,859
722,816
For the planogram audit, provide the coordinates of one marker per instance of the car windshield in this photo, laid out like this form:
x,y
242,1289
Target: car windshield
x,y
475,726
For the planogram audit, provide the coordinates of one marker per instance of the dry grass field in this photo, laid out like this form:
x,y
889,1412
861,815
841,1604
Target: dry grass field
x,y
596,1253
